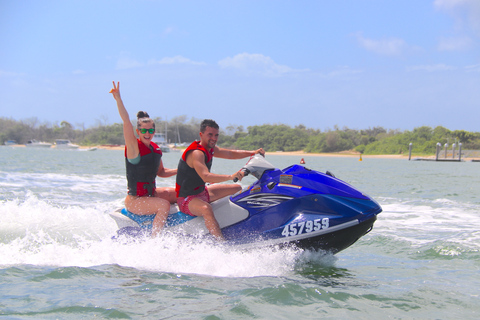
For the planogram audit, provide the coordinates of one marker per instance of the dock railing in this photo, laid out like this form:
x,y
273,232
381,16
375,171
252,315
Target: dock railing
x,y
456,153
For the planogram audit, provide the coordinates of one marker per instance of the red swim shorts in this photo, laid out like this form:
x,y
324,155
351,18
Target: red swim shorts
x,y
184,202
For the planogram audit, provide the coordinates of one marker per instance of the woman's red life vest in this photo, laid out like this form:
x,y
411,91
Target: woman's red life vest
x,y
141,176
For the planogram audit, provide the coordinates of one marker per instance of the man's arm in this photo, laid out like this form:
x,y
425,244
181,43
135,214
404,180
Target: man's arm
x,y
198,163
236,154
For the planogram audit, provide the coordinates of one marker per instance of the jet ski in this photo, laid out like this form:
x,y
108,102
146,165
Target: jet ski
x,y
295,206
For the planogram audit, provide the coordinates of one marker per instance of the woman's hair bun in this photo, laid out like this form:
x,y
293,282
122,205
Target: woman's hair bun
x,y
142,114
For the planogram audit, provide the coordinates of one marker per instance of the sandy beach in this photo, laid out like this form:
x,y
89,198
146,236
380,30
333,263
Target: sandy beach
x,y
299,153
337,154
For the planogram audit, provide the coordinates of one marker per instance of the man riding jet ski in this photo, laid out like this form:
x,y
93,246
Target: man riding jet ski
x,y
294,206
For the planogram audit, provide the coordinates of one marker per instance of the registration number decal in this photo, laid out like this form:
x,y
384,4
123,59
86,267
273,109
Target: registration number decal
x,y
305,227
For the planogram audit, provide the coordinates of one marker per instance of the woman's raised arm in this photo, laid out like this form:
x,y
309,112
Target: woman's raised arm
x,y
128,133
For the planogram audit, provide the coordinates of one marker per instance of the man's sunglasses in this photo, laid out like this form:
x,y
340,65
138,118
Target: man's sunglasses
x,y
143,130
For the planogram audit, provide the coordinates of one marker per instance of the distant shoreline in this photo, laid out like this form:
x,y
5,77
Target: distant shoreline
x,y
300,154
338,154
278,153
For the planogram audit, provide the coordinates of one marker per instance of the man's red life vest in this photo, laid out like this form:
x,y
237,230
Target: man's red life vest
x,y
188,181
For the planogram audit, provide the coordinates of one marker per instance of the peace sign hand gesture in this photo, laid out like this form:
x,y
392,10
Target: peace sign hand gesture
x,y
116,91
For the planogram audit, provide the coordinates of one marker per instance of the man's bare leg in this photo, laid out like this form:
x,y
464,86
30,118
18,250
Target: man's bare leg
x,y
220,190
203,209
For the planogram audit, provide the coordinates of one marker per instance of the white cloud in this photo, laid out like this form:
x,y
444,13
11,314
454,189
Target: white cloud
x,y
344,71
172,31
10,74
175,60
448,4
443,67
454,44
168,31
256,63
432,68
473,68
466,12
389,47
125,62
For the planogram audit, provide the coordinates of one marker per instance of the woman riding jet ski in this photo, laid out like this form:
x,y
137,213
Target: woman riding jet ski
x,y
294,206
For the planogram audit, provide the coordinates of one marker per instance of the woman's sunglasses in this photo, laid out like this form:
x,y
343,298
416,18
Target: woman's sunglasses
x,y
143,130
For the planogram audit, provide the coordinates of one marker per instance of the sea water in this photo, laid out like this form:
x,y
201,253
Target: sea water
x,y
57,259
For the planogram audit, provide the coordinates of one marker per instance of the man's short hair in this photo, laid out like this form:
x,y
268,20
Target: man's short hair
x,y
208,123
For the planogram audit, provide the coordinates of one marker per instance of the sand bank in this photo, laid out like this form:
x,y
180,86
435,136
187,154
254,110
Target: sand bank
x,y
338,154
299,153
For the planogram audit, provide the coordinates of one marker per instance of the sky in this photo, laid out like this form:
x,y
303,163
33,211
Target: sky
x,y
321,64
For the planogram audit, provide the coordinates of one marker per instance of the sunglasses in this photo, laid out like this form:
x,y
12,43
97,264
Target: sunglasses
x,y
143,130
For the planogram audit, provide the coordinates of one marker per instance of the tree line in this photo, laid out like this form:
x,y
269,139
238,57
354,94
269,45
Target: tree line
x,y
276,137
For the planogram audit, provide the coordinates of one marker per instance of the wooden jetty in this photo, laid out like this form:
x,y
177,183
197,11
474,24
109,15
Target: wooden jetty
x,y
439,160
446,157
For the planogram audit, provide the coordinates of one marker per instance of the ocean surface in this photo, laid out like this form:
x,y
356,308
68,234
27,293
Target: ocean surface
x,y
57,259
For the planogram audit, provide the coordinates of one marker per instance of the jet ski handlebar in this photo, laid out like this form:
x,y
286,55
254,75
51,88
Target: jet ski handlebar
x,y
256,165
246,172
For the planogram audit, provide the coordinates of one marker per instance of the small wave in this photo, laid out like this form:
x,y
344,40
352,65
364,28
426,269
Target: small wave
x,y
31,214
35,232
164,254
420,223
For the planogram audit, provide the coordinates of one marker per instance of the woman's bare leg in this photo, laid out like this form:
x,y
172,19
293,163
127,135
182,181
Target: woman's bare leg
x,y
150,205
168,194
